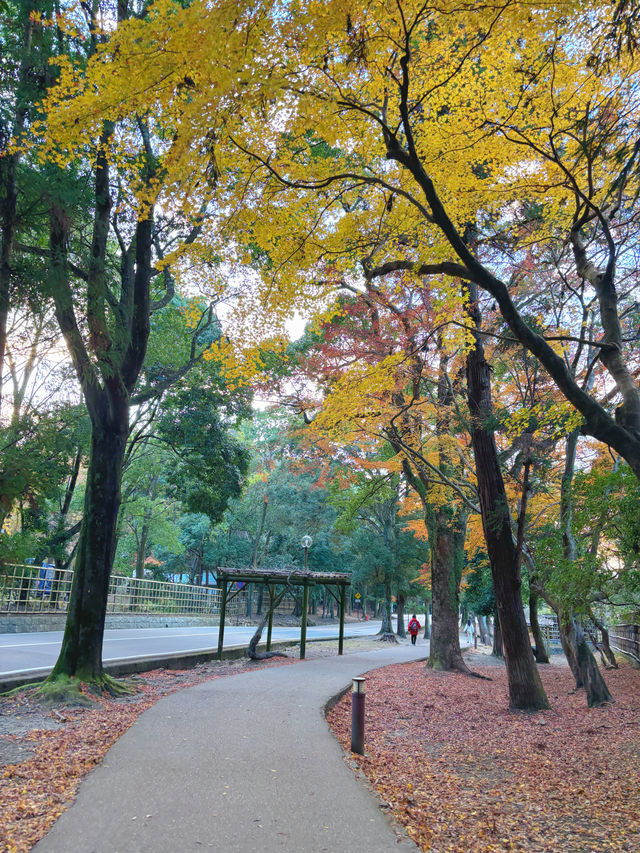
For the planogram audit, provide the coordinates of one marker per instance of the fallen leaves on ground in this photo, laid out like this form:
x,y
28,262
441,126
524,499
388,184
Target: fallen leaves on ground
x,y
36,791
463,775
62,745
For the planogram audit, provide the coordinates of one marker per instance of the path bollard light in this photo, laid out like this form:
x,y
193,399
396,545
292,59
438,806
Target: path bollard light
x,y
357,716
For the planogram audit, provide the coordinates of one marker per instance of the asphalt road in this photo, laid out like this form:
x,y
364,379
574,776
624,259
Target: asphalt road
x,y
24,653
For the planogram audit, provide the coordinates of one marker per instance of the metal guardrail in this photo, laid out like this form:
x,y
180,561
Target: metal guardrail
x,y
625,638
44,589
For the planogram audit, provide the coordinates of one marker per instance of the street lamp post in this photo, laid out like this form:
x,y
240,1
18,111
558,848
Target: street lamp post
x,y
306,543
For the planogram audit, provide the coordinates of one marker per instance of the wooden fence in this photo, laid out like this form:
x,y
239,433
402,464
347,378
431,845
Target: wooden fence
x,y
626,639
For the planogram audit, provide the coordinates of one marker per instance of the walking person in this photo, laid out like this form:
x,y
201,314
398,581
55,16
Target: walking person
x,y
468,629
413,627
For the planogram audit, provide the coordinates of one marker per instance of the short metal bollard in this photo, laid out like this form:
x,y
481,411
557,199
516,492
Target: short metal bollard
x,y
357,716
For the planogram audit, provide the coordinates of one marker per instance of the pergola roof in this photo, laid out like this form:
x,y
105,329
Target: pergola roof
x,y
271,578
294,577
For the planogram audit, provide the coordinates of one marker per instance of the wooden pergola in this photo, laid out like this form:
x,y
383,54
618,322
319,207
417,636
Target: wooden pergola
x,y
273,578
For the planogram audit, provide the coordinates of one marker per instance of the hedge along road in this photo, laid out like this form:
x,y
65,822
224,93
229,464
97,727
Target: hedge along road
x,y
35,654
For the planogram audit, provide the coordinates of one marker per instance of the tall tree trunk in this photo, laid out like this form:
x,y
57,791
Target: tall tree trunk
x,y
144,533
541,653
81,653
9,163
400,628
606,650
107,370
482,628
255,558
446,526
574,642
297,604
386,629
444,650
525,687
253,643
497,650
427,620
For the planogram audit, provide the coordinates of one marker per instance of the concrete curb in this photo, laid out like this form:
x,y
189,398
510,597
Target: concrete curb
x,y
129,666
174,660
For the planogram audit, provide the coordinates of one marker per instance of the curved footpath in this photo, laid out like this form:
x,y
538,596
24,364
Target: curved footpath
x,y
243,763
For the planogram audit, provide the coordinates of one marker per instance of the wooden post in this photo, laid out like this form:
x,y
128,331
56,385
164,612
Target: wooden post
x,y
303,627
343,591
272,595
223,611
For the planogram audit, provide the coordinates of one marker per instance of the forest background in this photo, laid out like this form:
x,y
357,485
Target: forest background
x,y
448,197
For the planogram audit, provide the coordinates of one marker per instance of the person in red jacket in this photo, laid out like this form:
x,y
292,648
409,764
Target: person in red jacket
x,y
413,628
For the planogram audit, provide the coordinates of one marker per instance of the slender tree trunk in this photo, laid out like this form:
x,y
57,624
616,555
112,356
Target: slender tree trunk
x,y
606,647
498,649
297,604
81,653
400,628
252,651
525,687
574,642
449,527
427,620
444,650
144,533
9,163
541,649
482,628
386,629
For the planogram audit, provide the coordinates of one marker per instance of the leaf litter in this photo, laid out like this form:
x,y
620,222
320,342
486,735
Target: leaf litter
x,y
460,772
45,753
464,775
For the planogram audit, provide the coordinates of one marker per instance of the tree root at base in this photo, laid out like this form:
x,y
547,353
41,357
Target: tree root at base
x,y
265,655
72,690
456,665
387,637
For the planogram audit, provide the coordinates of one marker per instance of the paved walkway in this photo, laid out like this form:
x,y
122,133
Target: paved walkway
x,y
245,763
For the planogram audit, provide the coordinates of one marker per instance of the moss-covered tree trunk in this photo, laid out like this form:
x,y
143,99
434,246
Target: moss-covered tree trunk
x,y
107,357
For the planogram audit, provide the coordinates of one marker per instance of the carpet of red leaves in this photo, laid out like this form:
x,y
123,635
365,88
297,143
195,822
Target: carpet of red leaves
x,y
463,775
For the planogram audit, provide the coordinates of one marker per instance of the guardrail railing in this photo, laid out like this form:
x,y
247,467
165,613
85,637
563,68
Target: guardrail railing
x,y
40,589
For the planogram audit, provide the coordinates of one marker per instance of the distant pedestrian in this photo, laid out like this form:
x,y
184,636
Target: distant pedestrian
x,y
468,629
413,628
